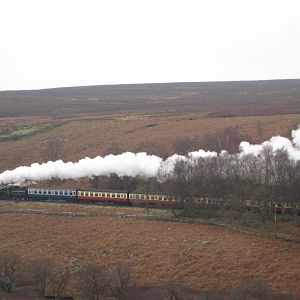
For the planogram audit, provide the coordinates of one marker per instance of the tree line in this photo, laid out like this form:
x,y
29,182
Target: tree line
x,y
44,279
269,177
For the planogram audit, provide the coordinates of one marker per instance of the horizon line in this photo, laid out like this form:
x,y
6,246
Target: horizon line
x,y
146,83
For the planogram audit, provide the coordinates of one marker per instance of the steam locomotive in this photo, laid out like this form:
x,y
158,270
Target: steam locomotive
x,y
121,197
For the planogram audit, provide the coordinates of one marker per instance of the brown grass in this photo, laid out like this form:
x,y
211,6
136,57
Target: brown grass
x,y
91,136
159,251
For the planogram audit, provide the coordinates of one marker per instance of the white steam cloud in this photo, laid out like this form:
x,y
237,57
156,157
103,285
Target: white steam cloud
x,y
292,147
139,164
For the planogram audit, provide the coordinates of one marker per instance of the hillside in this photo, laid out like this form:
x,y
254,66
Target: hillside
x,y
98,120
216,98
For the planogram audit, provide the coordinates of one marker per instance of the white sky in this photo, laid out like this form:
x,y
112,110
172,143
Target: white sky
x,y
51,43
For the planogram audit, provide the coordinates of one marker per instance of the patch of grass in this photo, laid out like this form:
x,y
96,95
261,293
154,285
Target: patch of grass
x,y
25,132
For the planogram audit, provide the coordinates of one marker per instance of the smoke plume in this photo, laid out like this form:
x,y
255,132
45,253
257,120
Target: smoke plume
x,y
139,164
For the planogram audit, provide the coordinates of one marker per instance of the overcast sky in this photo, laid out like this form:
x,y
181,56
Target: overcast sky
x,y
52,43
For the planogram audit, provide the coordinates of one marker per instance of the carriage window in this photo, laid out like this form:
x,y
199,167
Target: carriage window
x,y
56,192
40,191
113,195
65,192
35,191
60,192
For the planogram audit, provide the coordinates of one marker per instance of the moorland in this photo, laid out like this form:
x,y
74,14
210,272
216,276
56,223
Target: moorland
x,y
72,123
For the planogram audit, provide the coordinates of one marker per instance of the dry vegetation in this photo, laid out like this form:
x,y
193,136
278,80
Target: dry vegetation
x,y
198,256
106,119
155,133
101,120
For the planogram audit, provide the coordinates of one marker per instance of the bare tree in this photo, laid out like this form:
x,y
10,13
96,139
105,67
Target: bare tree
x,y
53,150
113,148
174,291
259,130
253,289
59,279
187,144
93,281
152,148
9,267
226,139
122,280
42,270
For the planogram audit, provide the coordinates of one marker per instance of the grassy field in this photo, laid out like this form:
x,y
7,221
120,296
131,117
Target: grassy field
x,y
159,251
155,133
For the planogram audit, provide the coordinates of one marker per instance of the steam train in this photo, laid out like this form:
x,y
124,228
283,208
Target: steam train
x,y
121,197
83,195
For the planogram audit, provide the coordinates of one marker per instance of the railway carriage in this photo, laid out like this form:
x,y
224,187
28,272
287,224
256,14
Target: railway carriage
x,y
36,193
105,196
143,199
